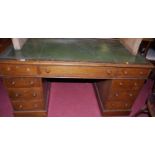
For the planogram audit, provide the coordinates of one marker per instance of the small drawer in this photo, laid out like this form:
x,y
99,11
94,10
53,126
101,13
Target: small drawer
x,y
77,71
22,82
22,94
36,113
128,96
28,105
125,85
117,105
15,70
133,73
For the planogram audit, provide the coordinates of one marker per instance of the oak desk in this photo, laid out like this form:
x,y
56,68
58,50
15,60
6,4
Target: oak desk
x,y
119,75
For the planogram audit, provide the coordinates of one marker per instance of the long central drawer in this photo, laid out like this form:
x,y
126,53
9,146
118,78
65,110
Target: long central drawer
x,y
76,71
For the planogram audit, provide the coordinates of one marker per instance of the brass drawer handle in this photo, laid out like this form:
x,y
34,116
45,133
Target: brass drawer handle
x,y
17,67
13,83
125,72
17,94
112,104
34,94
20,106
116,95
141,73
47,70
36,105
109,72
120,83
31,82
126,105
27,69
8,68
130,94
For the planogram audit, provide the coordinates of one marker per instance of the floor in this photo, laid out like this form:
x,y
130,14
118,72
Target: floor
x,y
5,105
67,99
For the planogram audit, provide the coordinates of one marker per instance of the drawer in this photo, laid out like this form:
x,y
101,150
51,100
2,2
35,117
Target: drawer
x,y
116,105
28,105
20,94
14,70
125,85
39,113
133,72
128,96
22,82
77,71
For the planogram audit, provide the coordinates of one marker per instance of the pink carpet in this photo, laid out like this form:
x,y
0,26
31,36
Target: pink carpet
x,y
142,97
5,105
73,100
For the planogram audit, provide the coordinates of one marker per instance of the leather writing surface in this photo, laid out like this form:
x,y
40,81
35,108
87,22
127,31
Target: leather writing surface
x,y
79,50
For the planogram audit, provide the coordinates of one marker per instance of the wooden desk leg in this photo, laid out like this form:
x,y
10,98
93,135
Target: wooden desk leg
x,y
27,96
116,97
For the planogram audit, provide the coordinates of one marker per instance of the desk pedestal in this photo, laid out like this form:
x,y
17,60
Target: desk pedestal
x,y
116,97
27,95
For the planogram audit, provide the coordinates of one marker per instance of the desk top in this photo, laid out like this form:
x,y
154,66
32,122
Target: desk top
x,y
74,50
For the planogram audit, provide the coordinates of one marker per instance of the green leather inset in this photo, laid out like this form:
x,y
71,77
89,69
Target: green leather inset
x,y
85,50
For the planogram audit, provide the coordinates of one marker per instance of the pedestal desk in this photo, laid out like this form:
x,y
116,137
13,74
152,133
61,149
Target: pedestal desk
x,y
118,75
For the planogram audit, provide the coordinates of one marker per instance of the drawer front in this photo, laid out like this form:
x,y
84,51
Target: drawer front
x,y
128,96
29,105
75,71
39,113
116,105
14,70
22,82
125,85
133,72
21,94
